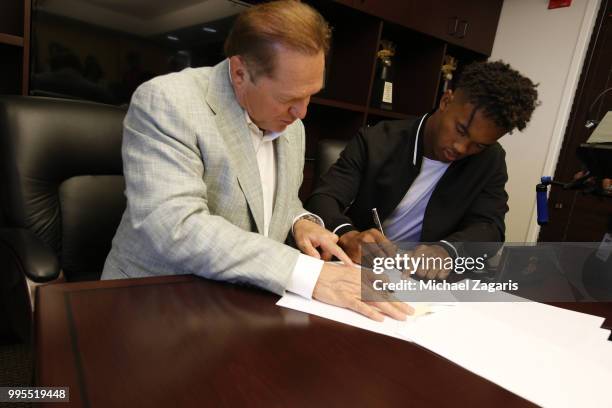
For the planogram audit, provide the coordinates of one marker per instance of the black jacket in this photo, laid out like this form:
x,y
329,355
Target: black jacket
x,y
378,166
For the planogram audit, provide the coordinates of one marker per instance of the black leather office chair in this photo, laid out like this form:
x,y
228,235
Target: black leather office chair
x,y
61,182
328,151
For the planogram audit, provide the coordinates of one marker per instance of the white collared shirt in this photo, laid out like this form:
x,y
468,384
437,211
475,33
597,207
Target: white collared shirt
x,y
263,143
307,269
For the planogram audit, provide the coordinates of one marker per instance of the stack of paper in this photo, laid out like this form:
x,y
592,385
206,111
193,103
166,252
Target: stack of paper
x,y
550,356
603,131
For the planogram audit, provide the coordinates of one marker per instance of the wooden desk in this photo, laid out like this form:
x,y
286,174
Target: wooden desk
x,y
183,341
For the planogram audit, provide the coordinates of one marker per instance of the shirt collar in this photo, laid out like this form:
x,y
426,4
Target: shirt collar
x,y
416,139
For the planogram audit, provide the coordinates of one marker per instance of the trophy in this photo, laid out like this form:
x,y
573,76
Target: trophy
x,y
383,87
449,66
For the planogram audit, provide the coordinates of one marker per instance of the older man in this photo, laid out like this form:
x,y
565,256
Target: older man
x,y
213,160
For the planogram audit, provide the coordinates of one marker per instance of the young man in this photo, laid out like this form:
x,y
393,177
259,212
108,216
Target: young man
x,y
213,160
436,178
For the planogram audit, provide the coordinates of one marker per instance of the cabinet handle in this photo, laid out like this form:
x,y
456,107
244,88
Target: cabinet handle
x,y
453,24
463,31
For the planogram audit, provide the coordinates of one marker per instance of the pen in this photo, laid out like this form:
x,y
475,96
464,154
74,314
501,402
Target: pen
x,y
377,221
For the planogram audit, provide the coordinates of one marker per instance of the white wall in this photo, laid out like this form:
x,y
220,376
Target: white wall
x,y
549,47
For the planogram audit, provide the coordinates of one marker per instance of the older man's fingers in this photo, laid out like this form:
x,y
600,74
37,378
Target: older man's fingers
x,y
391,310
308,249
335,250
366,310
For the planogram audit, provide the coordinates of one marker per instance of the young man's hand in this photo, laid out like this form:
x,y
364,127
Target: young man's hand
x,y
377,245
434,268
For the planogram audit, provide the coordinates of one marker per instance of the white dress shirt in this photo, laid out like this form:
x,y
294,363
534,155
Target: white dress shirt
x,y
307,269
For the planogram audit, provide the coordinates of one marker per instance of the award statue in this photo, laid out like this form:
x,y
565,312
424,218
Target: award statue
x,y
450,65
383,87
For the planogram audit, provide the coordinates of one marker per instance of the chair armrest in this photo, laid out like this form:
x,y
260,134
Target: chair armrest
x,y
30,254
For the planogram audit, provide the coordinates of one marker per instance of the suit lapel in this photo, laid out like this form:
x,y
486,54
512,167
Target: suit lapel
x,y
231,122
283,182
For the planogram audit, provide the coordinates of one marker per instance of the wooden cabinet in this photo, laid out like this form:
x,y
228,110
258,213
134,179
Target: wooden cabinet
x,y
14,46
391,10
469,24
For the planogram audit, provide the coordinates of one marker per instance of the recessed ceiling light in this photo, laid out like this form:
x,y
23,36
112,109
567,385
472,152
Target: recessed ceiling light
x,y
209,29
172,37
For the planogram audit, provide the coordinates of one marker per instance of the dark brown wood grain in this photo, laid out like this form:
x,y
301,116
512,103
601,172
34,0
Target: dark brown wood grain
x,y
186,341
11,40
469,24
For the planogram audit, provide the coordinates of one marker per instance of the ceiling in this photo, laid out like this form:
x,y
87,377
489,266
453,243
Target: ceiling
x,y
143,18
144,9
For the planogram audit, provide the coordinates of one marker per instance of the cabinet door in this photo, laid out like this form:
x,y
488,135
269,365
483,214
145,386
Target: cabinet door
x,y
470,24
395,11
438,18
433,17
478,24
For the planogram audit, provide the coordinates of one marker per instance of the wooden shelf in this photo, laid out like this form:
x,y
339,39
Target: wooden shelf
x,y
15,46
337,104
387,114
11,40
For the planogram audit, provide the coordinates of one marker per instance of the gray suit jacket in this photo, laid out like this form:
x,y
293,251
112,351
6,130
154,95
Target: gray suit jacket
x,y
194,196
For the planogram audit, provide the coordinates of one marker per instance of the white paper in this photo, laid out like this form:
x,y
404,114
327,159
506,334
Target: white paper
x,y
389,327
550,356
534,368
603,131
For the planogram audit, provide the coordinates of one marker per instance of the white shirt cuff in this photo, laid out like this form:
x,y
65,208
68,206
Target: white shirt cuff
x,y
340,226
296,219
452,246
305,276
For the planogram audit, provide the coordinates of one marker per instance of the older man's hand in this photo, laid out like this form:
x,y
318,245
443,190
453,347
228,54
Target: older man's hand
x,y
341,285
316,241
